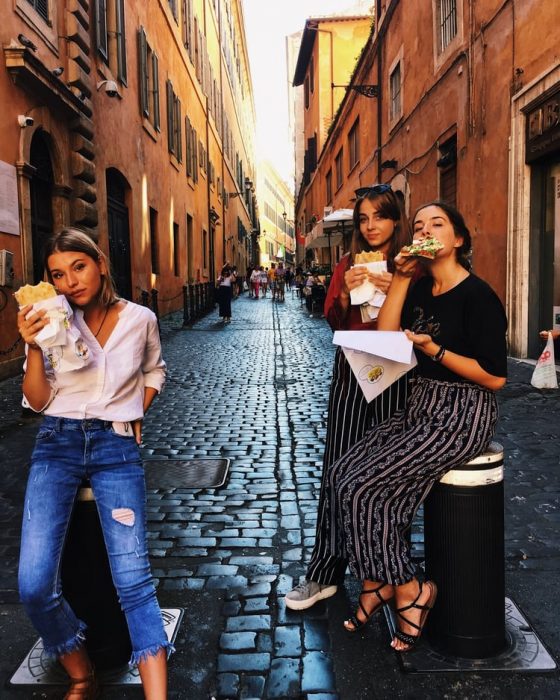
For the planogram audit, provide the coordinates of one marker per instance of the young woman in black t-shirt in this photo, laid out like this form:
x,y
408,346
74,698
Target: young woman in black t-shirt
x,y
458,327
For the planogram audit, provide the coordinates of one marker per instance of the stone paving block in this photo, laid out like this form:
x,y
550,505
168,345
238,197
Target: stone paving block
x,y
251,560
316,635
257,623
284,679
254,605
287,640
228,685
317,673
243,662
216,570
238,641
252,687
227,582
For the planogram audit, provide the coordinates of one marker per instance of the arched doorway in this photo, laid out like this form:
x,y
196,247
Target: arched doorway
x,y
119,234
41,190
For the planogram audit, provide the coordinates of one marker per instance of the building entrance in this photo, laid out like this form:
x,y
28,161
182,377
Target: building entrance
x,y
41,190
119,234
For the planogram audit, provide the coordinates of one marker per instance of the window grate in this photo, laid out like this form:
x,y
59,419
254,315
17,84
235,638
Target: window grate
x,y
447,22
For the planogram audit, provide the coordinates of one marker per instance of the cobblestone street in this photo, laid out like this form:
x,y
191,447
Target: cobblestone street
x,y
255,391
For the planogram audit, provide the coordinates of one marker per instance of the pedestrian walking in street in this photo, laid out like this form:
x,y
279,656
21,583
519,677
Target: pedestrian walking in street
x,y
458,327
225,283
272,280
256,281
379,225
263,278
91,429
280,282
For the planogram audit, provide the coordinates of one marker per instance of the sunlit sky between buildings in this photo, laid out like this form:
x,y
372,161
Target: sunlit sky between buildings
x,y
267,24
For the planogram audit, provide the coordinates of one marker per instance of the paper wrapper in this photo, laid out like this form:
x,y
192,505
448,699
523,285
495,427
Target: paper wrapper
x,y
60,340
366,291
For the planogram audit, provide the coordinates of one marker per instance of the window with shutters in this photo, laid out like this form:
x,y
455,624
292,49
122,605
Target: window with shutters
x,y
354,145
338,169
174,122
328,182
148,79
447,166
110,36
191,139
395,105
187,27
41,7
173,6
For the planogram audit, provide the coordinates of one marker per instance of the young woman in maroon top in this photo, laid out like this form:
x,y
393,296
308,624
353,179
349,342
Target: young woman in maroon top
x,y
379,225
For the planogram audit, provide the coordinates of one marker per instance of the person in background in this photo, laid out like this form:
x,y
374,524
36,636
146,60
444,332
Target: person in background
x,y
256,281
280,281
248,280
225,283
92,428
379,225
263,280
458,326
272,280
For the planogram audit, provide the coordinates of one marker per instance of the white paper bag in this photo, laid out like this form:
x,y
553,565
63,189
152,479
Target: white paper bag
x,y
367,290
61,340
544,375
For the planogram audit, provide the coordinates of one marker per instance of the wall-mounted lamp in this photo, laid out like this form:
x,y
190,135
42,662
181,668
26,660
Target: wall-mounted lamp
x,y
365,90
214,216
389,165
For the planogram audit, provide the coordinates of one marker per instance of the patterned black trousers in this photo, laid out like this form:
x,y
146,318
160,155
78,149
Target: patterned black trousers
x,y
374,490
350,417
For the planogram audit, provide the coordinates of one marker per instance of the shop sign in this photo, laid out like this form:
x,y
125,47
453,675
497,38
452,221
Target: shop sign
x,y
543,129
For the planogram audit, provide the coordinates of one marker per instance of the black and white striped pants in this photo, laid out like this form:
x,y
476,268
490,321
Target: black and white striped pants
x,y
374,490
350,417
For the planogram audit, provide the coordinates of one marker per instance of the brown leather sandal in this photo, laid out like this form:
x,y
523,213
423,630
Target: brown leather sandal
x,y
89,691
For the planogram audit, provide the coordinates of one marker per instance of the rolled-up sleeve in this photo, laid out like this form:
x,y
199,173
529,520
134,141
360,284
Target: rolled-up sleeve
x,y
154,368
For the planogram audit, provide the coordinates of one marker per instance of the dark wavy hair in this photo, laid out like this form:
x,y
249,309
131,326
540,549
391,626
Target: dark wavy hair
x,y
464,252
389,206
74,240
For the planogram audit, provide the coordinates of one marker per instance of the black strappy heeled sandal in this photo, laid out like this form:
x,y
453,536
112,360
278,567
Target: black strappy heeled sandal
x,y
357,624
411,639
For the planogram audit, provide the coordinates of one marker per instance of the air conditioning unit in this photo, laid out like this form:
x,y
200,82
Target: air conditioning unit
x,y
327,211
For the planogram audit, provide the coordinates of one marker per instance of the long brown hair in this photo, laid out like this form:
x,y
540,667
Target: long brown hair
x,y
389,206
74,240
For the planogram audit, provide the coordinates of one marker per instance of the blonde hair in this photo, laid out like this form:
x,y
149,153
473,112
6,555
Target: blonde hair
x,y
74,240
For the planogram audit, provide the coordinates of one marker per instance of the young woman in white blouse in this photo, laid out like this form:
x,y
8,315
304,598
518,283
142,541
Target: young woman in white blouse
x,y
91,429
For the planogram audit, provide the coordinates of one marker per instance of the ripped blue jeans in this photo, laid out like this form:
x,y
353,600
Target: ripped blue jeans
x,y
66,451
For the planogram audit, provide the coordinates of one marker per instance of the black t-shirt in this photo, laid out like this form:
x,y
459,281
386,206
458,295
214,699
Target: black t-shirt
x,y
468,319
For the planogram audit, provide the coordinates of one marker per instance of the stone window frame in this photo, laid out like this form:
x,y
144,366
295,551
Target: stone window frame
x,y
47,29
394,116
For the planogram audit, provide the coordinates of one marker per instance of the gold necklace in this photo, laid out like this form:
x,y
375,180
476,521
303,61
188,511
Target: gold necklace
x,y
101,324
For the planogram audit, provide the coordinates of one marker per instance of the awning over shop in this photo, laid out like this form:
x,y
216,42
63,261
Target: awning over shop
x,y
329,231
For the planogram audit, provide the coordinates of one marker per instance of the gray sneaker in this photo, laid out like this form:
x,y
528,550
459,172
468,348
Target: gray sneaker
x,y
307,593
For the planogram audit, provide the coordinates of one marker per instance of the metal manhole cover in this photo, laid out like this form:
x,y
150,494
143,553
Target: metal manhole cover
x,y
186,473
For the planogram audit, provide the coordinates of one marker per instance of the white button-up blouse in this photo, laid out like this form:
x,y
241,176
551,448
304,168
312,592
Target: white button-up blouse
x,y
111,386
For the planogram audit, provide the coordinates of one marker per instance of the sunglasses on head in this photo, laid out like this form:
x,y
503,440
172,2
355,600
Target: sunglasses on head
x,y
374,189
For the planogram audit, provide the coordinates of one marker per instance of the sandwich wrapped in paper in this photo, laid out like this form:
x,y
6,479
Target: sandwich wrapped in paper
x,y
60,340
367,292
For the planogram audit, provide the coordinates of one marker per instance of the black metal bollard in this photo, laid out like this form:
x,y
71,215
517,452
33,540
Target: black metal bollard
x,y
192,314
88,587
464,545
155,308
185,305
145,298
